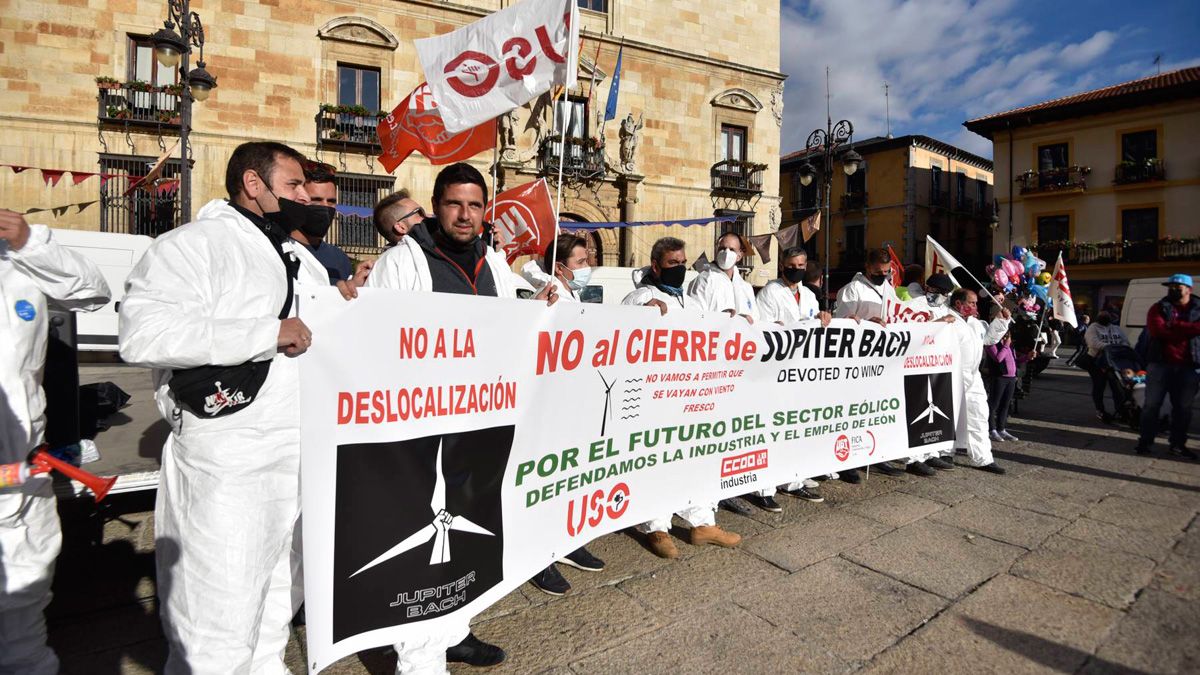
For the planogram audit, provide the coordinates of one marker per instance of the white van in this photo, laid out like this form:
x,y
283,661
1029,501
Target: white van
x,y
610,285
1141,294
115,254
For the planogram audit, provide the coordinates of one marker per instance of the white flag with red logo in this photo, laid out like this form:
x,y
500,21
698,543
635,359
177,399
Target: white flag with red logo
x,y
502,61
523,219
939,261
1060,294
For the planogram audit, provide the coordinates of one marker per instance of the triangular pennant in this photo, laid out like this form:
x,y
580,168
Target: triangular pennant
x,y
762,244
701,263
809,226
787,237
29,211
52,176
78,177
84,205
17,169
60,210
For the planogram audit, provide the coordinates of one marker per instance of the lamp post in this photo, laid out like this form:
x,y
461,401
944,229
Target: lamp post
x,y
825,145
172,50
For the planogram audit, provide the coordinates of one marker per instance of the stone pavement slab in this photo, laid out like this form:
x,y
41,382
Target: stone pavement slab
x,y
1164,488
721,638
938,558
1179,576
828,534
1158,635
1153,545
703,579
895,509
840,608
1008,625
1138,515
1011,525
1100,574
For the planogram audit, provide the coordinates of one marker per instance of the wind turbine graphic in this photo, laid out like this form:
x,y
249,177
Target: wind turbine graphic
x,y
607,401
932,409
438,530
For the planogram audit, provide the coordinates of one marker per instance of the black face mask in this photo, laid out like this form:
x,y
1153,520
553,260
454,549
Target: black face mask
x,y
877,279
793,275
1175,294
317,220
290,216
672,276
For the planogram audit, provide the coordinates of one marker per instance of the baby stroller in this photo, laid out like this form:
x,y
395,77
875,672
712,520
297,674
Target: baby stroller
x,y
1122,365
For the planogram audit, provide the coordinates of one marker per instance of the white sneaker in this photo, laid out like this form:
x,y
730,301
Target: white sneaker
x,y
1007,436
996,437
810,483
832,476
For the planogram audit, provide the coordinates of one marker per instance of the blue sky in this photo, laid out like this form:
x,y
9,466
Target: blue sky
x,y
947,61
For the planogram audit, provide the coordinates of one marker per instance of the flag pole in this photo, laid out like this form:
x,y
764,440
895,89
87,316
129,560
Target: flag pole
x,y
964,268
562,159
492,201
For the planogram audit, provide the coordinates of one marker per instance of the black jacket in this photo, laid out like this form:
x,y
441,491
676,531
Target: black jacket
x,y
447,275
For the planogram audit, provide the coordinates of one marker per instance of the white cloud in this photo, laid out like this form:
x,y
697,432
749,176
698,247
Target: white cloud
x,y
944,61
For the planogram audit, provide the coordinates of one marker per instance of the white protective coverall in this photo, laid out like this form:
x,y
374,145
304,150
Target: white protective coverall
x,y
537,277
210,293
778,302
863,299
972,432
30,537
716,291
696,515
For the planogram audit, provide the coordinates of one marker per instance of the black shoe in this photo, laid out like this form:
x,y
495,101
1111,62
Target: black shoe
x,y
736,505
1182,452
939,463
582,559
475,652
992,468
1104,417
887,469
807,494
551,581
300,619
764,503
920,469
850,476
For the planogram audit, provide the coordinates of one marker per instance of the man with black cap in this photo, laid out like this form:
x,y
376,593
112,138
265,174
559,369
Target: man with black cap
x,y
1173,324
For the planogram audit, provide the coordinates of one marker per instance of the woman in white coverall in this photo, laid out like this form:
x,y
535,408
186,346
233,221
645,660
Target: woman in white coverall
x,y
33,270
786,301
210,293
721,288
661,286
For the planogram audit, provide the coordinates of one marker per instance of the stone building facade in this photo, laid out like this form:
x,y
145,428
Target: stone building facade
x,y
700,85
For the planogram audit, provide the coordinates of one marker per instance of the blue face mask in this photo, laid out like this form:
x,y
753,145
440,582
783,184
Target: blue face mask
x,y
580,278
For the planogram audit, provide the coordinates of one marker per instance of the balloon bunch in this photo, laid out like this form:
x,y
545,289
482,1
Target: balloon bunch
x,y
1023,272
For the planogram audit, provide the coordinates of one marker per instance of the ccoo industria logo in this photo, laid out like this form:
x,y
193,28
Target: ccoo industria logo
x,y
418,531
929,408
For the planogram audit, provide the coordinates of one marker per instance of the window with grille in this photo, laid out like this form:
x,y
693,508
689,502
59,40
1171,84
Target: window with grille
x,y
144,67
733,142
358,85
594,5
151,209
1139,146
574,112
1139,230
354,232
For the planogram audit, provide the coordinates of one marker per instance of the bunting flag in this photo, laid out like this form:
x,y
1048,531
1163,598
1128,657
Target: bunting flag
x,y
701,263
572,226
60,210
897,268
788,237
810,225
416,124
762,245
610,110
53,176
1060,294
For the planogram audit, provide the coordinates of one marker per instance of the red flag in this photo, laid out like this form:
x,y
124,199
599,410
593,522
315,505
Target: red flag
x,y
52,176
897,269
523,218
416,124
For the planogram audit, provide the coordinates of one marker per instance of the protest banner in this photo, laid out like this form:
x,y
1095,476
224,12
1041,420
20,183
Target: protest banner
x,y
453,446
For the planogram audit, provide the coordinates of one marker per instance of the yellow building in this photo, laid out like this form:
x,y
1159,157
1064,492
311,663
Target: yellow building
x,y
905,189
1110,177
702,85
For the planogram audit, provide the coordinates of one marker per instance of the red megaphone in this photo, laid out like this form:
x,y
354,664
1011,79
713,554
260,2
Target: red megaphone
x,y
43,462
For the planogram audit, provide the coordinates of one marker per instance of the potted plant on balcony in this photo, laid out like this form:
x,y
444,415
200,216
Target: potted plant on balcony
x,y
167,116
357,110
335,135
107,83
116,112
173,89
139,85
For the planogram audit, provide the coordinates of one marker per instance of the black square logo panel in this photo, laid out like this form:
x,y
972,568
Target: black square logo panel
x,y
929,408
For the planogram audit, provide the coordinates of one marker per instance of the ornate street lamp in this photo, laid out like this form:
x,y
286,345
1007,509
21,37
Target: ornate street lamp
x,y
172,50
824,146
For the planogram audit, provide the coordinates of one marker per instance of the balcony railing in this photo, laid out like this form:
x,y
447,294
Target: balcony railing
x,y
584,159
1060,179
348,128
1139,172
737,178
854,201
1150,250
138,104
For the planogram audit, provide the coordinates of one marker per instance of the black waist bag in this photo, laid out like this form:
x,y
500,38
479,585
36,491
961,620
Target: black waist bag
x,y
216,391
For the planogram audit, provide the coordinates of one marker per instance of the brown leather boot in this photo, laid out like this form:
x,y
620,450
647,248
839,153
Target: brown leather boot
x,y
662,546
713,534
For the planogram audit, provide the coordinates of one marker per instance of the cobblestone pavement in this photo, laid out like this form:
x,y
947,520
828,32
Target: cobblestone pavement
x,y
1083,558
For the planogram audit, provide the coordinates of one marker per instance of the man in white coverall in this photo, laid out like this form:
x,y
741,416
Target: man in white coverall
x,y
34,269
973,334
786,301
720,287
211,293
661,286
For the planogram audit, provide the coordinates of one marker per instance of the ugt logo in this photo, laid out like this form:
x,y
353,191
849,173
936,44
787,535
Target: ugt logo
x,y
473,74
613,506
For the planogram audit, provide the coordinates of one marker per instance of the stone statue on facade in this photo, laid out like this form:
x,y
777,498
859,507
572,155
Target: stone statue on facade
x,y
630,132
508,136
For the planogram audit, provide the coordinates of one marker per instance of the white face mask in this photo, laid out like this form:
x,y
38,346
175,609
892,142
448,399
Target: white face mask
x,y
580,278
726,259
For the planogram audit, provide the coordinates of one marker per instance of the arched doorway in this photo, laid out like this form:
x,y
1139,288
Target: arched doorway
x,y
595,245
